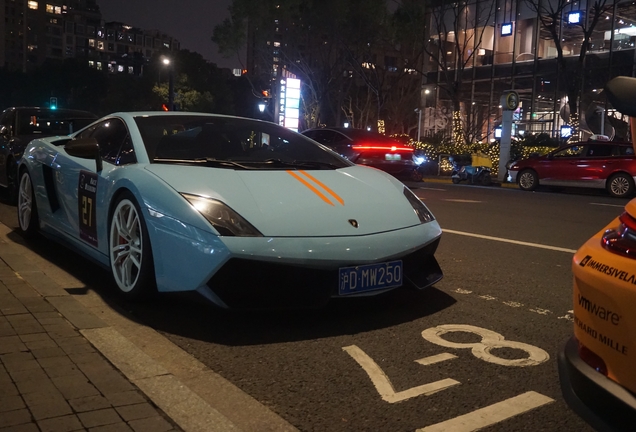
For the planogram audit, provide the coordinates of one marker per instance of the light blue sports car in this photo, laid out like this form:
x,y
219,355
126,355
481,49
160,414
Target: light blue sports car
x,y
246,212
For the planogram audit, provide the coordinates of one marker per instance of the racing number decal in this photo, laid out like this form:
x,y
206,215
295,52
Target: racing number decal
x,y
86,196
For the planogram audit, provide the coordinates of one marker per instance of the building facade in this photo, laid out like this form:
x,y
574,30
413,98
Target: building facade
x,y
33,31
549,51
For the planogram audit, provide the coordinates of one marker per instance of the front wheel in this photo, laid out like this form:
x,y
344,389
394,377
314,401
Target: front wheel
x,y
28,221
456,180
415,175
620,185
485,178
131,259
528,180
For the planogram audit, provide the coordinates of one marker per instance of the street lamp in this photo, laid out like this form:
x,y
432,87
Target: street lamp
x,y
261,106
419,123
166,61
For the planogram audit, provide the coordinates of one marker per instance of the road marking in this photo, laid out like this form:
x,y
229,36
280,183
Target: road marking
x,y
608,205
490,340
568,316
513,304
436,359
434,189
462,291
383,384
540,311
462,201
487,297
517,242
491,414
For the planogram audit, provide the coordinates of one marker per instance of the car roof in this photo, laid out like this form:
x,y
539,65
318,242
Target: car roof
x,y
353,134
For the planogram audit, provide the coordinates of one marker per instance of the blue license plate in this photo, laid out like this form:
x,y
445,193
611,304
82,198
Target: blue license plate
x,y
370,277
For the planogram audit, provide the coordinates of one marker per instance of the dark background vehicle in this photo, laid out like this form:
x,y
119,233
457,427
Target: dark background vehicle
x,y
369,148
20,125
592,164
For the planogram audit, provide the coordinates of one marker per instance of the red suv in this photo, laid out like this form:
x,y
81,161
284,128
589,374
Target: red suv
x,y
592,164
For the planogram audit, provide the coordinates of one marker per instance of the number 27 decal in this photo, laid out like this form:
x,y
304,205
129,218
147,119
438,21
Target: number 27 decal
x,y
87,214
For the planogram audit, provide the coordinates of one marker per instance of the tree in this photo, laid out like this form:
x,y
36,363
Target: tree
x,y
551,14
456,33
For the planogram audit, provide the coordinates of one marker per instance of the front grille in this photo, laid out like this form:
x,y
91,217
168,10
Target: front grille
x,y
243,283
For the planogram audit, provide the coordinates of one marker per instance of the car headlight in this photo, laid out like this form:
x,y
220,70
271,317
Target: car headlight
x,y
225,220
418,206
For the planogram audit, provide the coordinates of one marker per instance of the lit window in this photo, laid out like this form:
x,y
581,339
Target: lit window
x,y
58,10
99,65
120,68
91,43
506,29
32,48
50,9
100,45
91,63
276,44
33,5
130,69
574,17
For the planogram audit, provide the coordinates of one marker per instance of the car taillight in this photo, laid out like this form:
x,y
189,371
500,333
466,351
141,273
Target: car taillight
x,y
383,147
622,239
592,359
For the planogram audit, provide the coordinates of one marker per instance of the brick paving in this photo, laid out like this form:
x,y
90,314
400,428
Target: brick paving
x,y
53,380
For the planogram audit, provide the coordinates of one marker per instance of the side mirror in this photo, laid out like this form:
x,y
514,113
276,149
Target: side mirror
x,y
85,148
4,131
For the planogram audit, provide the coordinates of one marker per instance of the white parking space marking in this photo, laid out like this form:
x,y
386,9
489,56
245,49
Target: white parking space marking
x,y
491,414
436,359
383,384
490,340
517,242
462,201
514,304
608,205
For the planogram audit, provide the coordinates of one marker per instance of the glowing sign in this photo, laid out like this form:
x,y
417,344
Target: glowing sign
x,y
289,109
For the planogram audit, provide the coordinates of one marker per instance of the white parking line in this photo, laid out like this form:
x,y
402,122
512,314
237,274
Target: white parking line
x,y
383,385
608,205
491,414
435,359
517,242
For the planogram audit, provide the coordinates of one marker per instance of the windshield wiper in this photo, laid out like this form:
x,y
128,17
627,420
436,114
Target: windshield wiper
x,y
209,162
301,164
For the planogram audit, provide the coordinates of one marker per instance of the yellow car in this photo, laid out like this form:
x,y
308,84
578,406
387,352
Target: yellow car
x,y
597,367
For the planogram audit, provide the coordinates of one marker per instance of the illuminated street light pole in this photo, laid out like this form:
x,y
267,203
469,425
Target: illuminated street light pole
x,y
168,64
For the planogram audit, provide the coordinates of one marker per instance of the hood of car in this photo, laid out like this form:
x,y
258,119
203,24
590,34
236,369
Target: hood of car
x,y
291,203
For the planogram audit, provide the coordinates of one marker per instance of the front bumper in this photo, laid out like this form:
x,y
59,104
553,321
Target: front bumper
x,y
253,284
603,403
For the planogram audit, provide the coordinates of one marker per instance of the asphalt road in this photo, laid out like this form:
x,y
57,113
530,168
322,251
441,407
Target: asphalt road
x,y
479,348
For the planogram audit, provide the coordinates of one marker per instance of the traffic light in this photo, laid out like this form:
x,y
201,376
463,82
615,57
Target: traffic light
x,y
53,103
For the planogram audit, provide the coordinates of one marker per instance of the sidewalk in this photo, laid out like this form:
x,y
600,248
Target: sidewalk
x,y
69,362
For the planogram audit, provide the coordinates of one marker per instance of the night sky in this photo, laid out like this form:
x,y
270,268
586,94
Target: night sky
x,y
189,21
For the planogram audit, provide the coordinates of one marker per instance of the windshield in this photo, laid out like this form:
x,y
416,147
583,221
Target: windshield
x,y
235,143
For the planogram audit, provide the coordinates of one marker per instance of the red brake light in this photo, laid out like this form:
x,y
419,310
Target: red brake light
x,y
622,239
592,359
382,147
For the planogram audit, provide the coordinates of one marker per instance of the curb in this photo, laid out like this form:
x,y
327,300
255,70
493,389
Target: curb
x,y
447,180
189,394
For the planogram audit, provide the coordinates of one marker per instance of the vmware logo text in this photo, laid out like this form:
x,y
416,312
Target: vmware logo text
x,y
599,311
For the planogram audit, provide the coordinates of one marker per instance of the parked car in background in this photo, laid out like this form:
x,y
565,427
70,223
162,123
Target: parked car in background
x,y
20,125
591,164
372,149
246,212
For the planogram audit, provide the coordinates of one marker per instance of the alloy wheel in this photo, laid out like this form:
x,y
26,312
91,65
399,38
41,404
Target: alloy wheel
x,y
126,245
